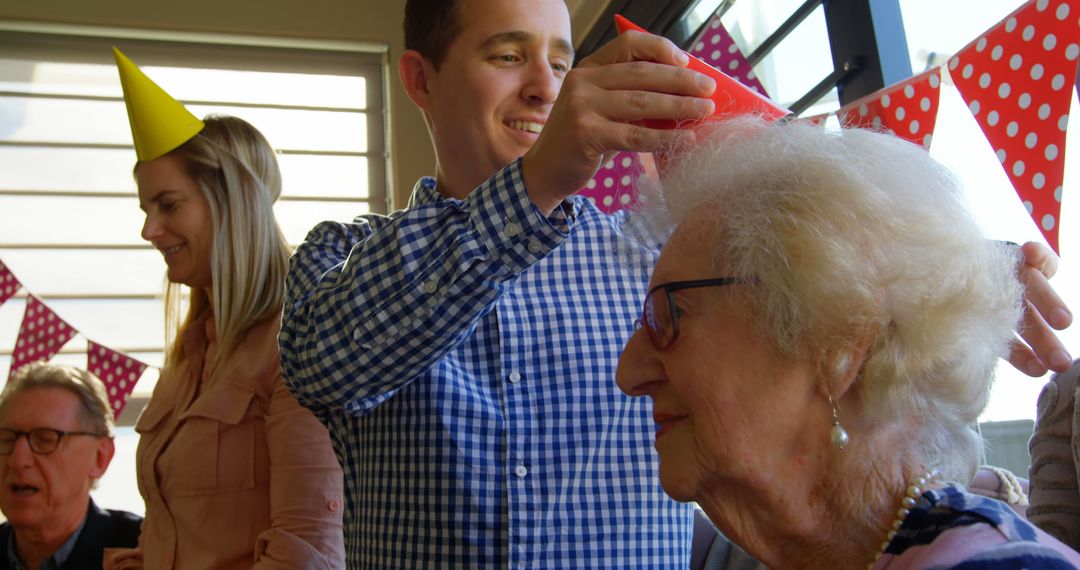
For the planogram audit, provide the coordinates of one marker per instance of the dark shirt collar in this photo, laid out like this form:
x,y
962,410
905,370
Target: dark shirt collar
x,y
54,562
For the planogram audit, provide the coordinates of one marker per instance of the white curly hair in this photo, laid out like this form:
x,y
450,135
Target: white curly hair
x,y
849,232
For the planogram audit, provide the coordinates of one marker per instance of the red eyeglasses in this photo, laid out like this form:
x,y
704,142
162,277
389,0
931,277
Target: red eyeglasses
x,y
660,315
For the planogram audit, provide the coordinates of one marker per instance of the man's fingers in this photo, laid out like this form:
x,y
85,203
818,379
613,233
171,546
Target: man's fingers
x,y
1038,347
1023,359
1043,350
638,105
618,137
637,46
648,76
1040,257
1040,294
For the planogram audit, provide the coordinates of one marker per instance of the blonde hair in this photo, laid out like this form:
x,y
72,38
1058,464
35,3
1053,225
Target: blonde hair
x,y
849,232
238,173
95,412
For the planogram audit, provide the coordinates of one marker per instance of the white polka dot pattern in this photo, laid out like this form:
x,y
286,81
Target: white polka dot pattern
x,y
716,47
907,109
41,335
8,283
118,371
612,189
1021,99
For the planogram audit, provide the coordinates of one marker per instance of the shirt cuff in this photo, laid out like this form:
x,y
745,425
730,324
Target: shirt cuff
x,y
506,219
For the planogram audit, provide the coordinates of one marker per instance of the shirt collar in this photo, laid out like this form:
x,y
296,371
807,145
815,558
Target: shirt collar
x,y
54,562
424,193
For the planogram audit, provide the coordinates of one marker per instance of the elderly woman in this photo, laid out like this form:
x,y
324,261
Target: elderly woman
x,y
818,338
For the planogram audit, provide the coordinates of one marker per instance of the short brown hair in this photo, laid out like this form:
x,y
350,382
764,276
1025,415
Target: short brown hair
x,y
430,27
95,411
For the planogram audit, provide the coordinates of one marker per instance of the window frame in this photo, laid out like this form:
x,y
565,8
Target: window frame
x,y
88,44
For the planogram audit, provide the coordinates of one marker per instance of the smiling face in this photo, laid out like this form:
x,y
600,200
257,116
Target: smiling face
x,y
178,221
729,410
49,493
492,93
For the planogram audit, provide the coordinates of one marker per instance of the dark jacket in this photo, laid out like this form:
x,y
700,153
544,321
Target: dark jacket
x,y
103,529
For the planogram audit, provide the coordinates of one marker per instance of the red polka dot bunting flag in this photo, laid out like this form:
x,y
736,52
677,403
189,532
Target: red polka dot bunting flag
x,y
612,189
817,120
716,47
8,283
1016,80
119,372
41,335
907,109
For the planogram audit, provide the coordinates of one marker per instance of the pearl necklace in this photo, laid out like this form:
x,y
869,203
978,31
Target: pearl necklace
x,y
914,490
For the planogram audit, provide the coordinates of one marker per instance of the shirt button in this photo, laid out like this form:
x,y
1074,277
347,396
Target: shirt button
x,y
333,505
430,287
521,471
511,229
356,334
534,246
514,377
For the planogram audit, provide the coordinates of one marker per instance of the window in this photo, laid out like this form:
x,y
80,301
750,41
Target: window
x,y
801,59
69,217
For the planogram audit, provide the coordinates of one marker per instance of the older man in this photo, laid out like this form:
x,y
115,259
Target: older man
x,y
55,443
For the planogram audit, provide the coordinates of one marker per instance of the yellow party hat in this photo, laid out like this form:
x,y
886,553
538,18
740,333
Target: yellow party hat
x,y
159,123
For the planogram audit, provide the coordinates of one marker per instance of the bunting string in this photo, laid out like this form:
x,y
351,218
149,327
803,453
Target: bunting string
x,y
1014,79
42,334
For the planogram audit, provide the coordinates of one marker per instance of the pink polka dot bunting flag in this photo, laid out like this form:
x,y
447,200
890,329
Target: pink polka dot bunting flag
x,y
41,335
612,189
1017,81
8,283
716,47
119,372
907,109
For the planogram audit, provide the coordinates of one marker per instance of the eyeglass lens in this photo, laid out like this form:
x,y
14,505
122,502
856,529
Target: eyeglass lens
x,y
658,319
42,440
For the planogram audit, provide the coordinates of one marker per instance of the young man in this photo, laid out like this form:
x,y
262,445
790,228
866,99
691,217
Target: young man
x,y
55,442
462,352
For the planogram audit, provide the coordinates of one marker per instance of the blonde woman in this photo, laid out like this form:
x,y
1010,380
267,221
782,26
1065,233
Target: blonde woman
x,y
235,474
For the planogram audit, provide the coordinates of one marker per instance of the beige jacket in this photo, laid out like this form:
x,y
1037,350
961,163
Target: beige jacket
x,y
235,473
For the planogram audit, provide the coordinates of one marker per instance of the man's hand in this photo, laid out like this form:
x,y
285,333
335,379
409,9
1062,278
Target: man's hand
x,y
1039,349
635,76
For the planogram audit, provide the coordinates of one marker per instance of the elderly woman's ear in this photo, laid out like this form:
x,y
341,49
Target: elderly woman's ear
x,y
845,367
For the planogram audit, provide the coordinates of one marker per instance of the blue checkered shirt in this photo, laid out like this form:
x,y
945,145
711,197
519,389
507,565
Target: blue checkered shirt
x,y
462,354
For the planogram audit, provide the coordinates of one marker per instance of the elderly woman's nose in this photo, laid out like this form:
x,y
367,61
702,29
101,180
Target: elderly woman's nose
x,y
632,374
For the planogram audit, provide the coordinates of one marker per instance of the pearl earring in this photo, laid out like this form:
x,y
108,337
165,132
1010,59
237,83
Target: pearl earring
x,y
838,434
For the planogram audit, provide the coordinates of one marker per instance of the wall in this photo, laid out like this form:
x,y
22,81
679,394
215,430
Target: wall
x,y
357,20
584,14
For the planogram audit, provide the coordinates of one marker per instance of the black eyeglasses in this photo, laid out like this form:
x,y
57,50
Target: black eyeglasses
x,y
43,441
660,316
